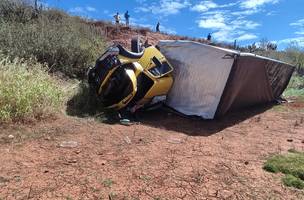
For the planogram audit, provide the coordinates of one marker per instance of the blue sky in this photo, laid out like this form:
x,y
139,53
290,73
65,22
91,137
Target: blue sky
x,y
247,21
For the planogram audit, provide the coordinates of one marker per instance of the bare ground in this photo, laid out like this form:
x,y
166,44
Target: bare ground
x,y
163,157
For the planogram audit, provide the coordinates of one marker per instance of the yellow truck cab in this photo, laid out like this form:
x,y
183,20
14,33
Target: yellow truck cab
x,y
126,79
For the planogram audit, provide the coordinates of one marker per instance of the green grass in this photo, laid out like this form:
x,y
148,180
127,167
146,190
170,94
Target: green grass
x,y
290,164
66,44
27,91
295,87
292,181
108,182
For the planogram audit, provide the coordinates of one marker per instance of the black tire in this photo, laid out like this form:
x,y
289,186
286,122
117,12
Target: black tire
x,y
136,45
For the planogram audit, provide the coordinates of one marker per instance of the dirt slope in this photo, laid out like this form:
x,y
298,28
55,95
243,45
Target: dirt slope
x,y
163,157
123,35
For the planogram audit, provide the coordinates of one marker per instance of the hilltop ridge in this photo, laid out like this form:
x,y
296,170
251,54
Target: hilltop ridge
x,y
123,34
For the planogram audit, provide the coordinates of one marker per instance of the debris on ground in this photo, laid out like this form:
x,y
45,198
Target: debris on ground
x,y
68,144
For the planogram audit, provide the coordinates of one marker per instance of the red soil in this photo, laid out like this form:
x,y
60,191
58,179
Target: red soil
x,y
163,157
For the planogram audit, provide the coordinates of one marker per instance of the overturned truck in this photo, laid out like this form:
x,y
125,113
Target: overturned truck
x,y
215,80
208,81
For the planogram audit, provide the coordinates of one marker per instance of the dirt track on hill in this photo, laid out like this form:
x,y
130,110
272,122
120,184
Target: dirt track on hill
x,y
163,157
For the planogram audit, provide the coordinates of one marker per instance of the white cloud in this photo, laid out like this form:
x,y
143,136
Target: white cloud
x,y
167,30
299,25
246,36
90,9
297,40
271,13
243,24
165,7
253,4
139,23
204,6
140,1
82,10
245,12
216,21
77,10
299,32
227,27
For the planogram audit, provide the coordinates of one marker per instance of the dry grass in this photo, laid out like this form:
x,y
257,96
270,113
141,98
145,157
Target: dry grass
x,y
27,91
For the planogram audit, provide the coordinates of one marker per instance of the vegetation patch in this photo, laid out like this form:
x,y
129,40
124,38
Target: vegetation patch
x,y
27,91
290,164
108,182
65,43
295,87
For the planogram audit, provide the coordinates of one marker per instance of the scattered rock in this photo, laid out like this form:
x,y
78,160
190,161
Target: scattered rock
x,y
48,138
72,161
225,194
213,193
103,162
302,141
3,180
127,140
246,162
296,123
68,144
258,119
289,140
125,122
173,140
46,171
78,152
11,137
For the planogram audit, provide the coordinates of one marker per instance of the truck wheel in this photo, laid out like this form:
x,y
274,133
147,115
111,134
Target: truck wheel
x,y
136,45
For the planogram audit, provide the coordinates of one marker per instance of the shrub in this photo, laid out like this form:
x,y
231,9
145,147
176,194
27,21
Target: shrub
x,y
16,10
66,44
27,91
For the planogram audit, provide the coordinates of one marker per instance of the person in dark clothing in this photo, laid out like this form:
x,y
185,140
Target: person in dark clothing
x,y
127,17
157,27
209,37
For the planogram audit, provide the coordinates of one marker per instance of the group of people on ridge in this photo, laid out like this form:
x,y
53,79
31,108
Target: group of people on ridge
x,y
127,19
117,18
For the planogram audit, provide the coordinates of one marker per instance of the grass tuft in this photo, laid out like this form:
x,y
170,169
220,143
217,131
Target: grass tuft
x,y
108,182
292,181
291,164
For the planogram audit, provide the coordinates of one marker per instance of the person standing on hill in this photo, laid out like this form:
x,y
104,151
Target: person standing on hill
x,y
209,37
117,18
157,27
127,17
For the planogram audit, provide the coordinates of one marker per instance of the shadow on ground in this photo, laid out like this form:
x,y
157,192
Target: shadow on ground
x,y
163,118
85,104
